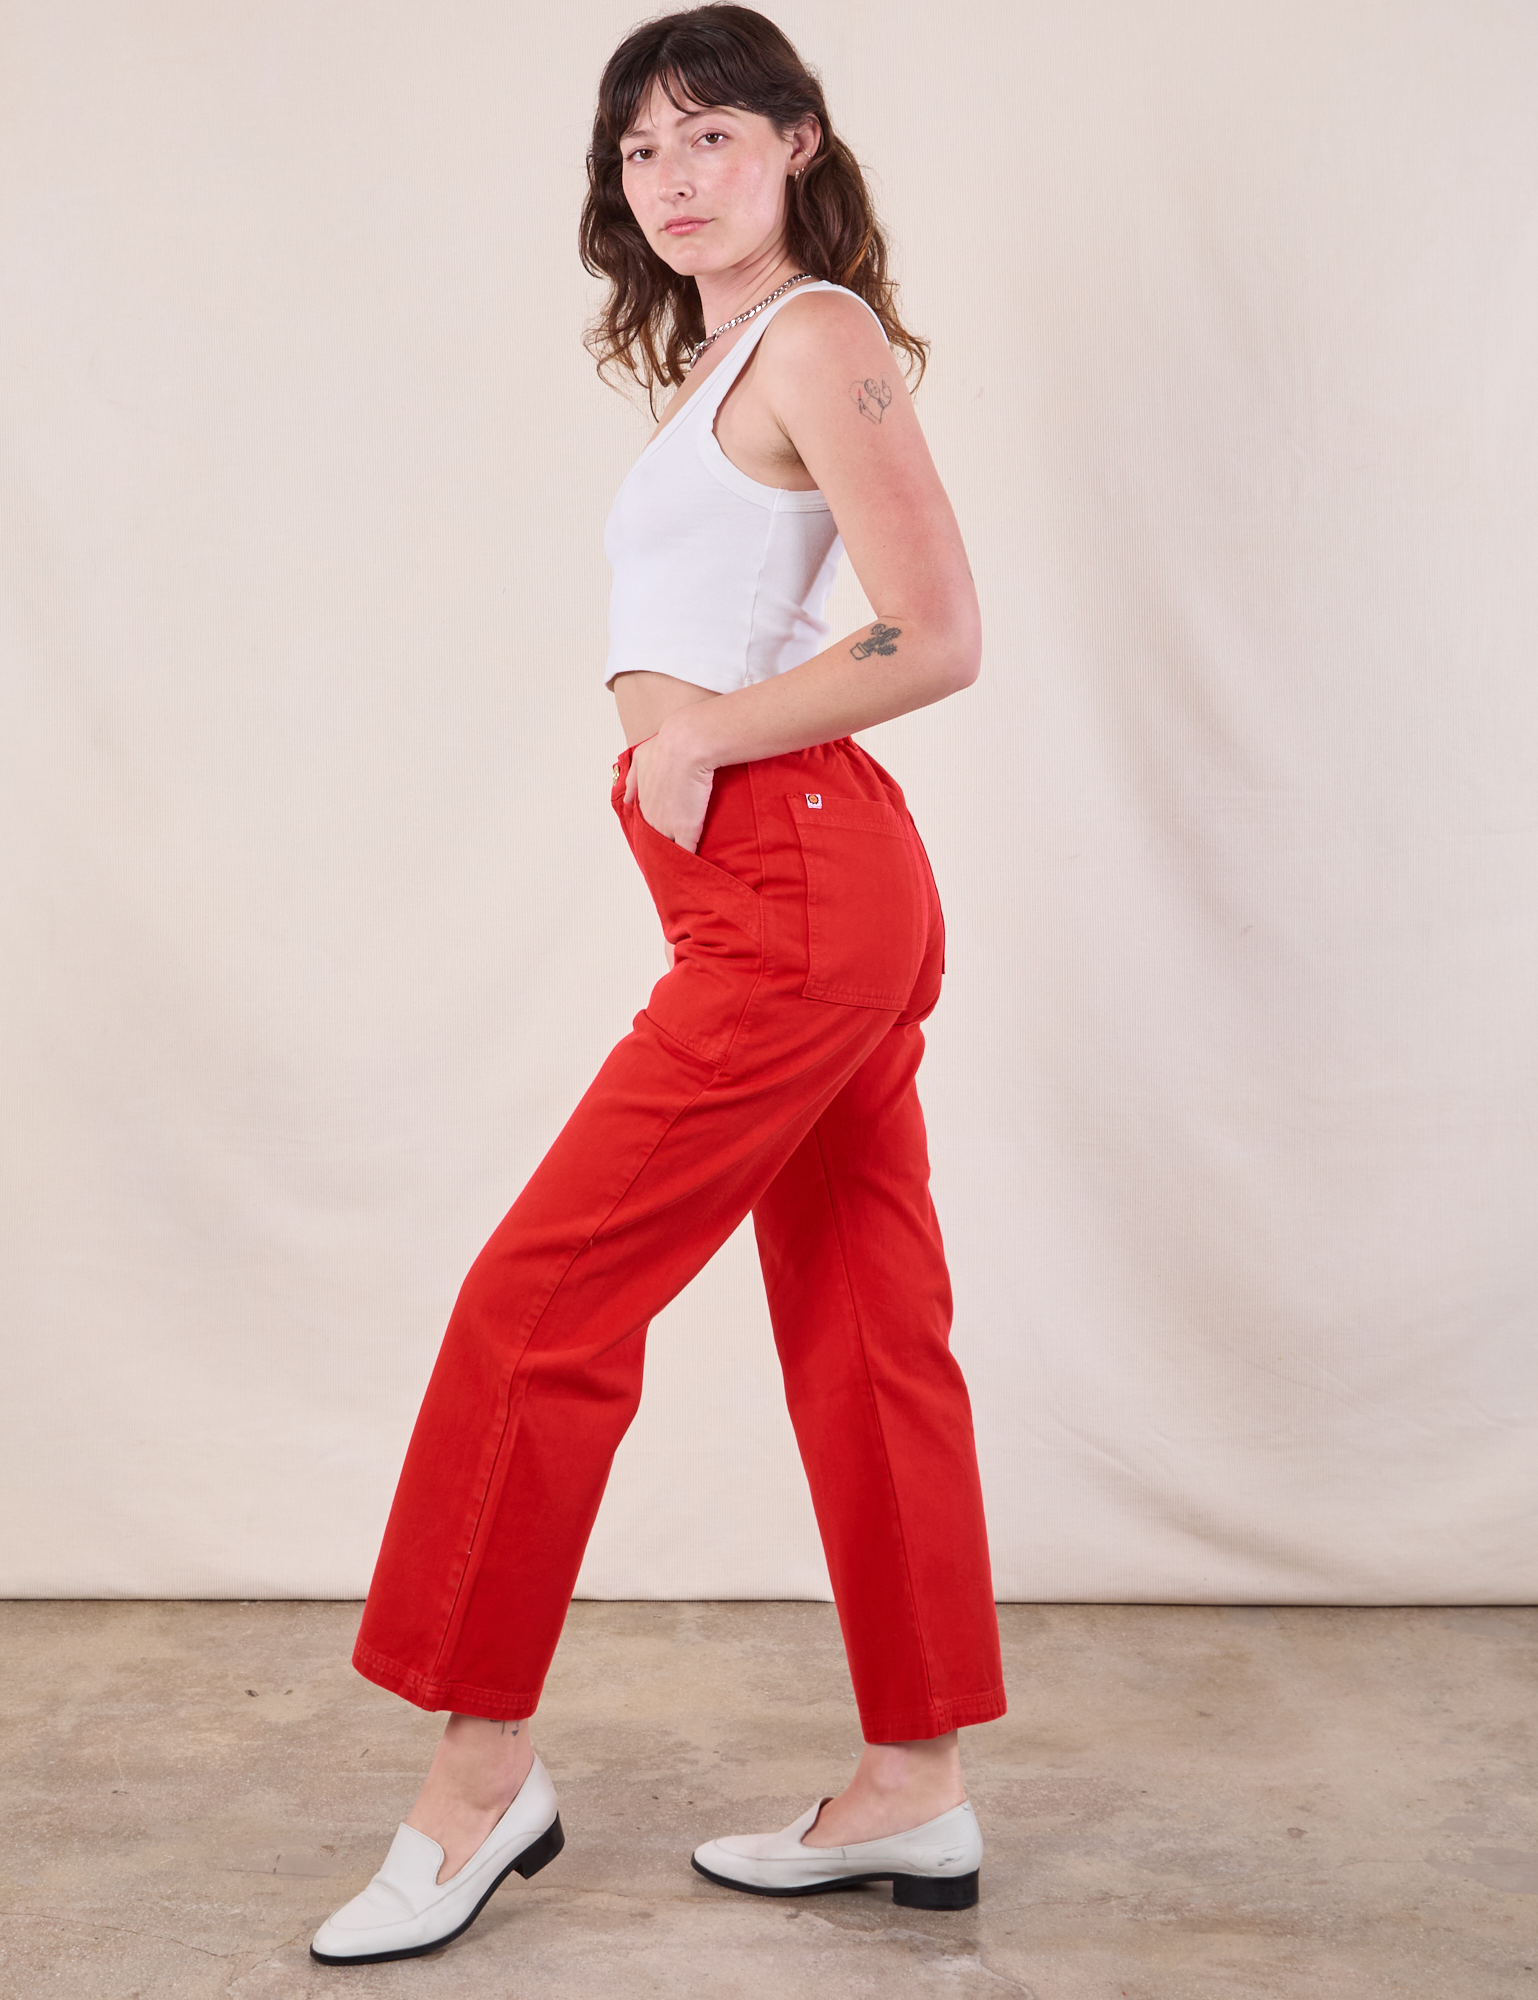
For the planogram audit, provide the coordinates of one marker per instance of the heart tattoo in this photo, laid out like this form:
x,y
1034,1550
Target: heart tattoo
x,y
871,397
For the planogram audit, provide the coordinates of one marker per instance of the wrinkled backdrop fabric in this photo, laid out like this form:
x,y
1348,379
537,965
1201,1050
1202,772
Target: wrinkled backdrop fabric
x,y
317,922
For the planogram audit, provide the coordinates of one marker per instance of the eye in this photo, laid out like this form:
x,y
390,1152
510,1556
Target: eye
x,y
712,135
636,153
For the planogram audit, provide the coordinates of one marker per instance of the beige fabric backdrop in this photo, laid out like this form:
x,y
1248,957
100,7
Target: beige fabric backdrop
x,y
316,920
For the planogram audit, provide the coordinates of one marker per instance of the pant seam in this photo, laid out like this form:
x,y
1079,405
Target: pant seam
x,y
886,1456
966,1711
509,1431
424,1690
692,1049
761,972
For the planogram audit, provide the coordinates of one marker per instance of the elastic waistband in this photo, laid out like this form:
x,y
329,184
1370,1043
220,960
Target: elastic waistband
x,y
622,761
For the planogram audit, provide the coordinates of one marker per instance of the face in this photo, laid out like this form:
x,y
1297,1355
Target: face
x,y
707,186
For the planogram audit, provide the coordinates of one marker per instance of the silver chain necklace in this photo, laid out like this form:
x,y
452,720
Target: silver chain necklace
x,y
727,324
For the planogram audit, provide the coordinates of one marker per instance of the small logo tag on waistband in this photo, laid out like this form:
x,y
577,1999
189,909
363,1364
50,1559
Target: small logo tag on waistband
x,y
814,799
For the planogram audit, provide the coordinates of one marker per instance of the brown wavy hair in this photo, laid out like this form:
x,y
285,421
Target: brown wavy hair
x,y
726,56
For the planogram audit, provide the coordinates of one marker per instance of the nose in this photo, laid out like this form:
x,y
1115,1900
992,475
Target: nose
x,y
675,178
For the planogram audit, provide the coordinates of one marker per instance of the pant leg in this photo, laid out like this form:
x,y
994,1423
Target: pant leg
x,y
860,1300
689,1120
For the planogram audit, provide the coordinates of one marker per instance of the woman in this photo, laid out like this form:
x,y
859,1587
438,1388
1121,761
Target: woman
x,y
773,1068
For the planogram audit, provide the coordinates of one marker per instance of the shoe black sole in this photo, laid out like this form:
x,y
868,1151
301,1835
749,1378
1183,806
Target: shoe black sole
x,y
535,1856
914,1892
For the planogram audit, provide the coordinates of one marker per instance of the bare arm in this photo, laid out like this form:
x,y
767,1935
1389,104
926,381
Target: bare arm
x,y
839,397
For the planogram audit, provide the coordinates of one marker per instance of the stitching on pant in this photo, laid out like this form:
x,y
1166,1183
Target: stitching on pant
x,y
429,1693
886,1457
726,1053
962,1711
712,1063
765,965
508,1435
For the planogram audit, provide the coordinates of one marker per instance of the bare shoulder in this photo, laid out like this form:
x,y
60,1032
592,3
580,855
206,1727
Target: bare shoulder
x,y
825,323
826,349
823,330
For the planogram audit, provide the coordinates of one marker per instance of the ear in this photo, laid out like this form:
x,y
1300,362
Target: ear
x,y
806,137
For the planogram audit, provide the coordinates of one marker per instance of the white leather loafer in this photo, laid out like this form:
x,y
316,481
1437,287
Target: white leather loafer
x,y
931,1867
406,1910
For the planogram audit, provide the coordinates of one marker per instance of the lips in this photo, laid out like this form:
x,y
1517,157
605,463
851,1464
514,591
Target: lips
x,y
685,225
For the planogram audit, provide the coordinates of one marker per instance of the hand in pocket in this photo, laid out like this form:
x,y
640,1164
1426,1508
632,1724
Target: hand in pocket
x,y
672,792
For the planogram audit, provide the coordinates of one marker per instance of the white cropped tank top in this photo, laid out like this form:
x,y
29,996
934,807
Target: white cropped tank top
x,y
717,579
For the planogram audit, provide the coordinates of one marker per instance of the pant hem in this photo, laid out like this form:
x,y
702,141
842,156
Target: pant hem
x,y
912,1725
463,1697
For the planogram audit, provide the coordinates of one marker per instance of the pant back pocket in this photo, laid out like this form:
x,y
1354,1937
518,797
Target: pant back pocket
x,y
865,905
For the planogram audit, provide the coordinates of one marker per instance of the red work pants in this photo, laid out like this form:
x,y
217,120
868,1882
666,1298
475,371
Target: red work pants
x,y
773,1071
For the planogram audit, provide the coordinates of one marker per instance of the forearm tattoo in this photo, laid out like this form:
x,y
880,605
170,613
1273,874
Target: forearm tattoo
x,y
883,640
871,397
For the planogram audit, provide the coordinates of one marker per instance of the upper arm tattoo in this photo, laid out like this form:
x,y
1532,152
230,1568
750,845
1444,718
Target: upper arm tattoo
x,y
883,639
871,397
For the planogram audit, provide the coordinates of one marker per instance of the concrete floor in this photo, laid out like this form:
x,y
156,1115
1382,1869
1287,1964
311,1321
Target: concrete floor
x,y
1185,1802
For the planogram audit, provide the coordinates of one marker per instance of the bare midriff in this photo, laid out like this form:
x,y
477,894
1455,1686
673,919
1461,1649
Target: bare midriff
x,y
646,700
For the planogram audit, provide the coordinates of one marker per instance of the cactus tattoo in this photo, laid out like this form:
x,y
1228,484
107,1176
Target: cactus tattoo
x,y
882,640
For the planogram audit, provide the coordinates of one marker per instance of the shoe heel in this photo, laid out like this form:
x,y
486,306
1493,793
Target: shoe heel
x,y
935,1892
545,1849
